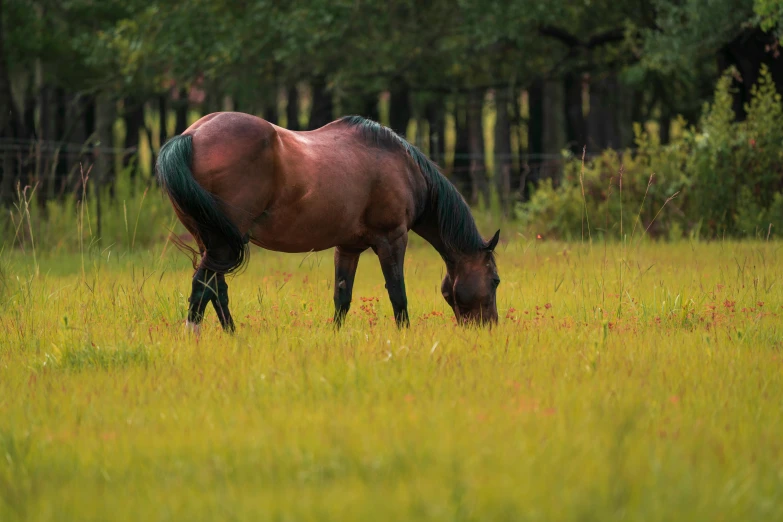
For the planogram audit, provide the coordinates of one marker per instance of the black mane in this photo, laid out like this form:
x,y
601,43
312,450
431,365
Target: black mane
x,y
455,222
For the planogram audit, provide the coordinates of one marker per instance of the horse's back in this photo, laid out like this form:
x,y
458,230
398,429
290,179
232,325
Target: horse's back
x,y
297,191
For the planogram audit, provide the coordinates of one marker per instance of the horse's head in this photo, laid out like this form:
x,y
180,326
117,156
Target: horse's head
x,y
470,286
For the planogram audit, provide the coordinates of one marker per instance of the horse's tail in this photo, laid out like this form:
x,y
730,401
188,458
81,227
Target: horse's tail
x,y
225,248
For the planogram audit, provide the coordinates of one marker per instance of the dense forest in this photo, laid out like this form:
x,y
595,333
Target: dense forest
x,y
91,83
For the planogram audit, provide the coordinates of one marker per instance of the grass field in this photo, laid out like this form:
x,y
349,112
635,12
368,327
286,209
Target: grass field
x,y
637,383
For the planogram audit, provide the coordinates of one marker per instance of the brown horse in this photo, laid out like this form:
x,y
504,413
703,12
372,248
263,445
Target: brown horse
x,y
236,179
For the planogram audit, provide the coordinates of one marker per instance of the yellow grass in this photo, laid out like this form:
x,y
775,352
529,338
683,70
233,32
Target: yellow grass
x,y
654,397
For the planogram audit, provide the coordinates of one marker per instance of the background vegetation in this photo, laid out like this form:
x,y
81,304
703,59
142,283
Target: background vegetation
x,y
499,92
628,378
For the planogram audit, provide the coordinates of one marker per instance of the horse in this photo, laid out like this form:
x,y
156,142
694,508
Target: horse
x,y
235,179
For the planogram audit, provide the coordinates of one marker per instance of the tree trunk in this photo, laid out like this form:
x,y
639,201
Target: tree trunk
x,y
535,139
478,165
76,140
554,139
29,113
8,113
40,176
421,131
7,177
399,107
639,108
48,149
181,113
554,131
271,112
90,117
10,123
435,114
105,114
624,113
322,109
60,171
134,121
292,108
535,122
163,133
519,139
45,113
665,125
610,121
23,159
365,105
460,167
600,124
103,172
88,158
370,109
576,127
503,161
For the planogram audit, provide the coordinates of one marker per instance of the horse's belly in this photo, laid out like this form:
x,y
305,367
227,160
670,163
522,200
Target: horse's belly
x,y
339,208
305,233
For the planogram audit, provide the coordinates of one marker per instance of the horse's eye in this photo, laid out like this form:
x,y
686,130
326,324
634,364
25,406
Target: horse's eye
x,y
496,281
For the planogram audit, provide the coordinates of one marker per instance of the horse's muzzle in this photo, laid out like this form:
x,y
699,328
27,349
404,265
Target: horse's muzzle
x,y
478,319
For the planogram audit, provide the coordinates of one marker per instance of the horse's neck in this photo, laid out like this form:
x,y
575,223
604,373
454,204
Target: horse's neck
x,y
427,227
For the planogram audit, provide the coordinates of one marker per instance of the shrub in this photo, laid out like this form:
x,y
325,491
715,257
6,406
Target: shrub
x,y
649,176
727,175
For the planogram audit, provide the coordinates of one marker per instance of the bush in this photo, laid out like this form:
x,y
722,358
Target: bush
x,y
649,177
727,176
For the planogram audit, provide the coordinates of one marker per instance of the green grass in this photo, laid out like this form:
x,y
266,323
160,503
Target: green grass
x,y
654,397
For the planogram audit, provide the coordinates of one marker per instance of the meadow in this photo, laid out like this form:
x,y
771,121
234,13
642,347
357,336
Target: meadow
x,y
636,381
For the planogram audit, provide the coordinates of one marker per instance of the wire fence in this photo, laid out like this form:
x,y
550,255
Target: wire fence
x,y
58,168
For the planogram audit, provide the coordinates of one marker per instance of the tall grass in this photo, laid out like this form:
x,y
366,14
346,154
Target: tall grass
x,y
566,410
139,216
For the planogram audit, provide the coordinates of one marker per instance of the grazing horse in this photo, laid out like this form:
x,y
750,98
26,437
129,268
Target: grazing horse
x,y
353,184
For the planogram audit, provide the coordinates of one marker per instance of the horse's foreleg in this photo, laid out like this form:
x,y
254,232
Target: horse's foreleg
x,y
345,263
392,257
220,303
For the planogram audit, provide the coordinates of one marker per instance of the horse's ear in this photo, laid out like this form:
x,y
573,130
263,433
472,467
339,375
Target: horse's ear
x,y
493,242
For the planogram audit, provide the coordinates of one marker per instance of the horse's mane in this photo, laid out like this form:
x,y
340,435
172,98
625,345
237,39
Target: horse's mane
x,y
457,226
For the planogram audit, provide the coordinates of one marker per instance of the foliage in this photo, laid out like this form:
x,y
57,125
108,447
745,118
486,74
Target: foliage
x,y
139,46
649,177
733,164
727,175
770,15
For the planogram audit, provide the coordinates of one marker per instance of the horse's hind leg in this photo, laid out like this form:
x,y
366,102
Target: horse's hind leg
x,y
202,289
220,303
345,263
209,286
392,257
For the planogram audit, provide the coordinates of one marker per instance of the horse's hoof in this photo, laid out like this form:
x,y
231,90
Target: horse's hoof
x,y
193,328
